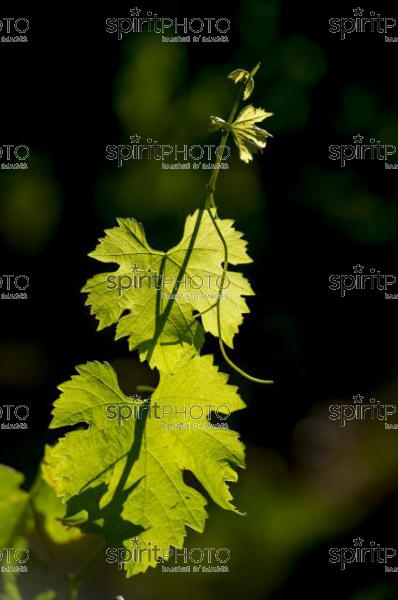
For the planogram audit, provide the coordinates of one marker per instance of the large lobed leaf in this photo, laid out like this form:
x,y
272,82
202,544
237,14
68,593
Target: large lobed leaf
x,y
154,321
136,471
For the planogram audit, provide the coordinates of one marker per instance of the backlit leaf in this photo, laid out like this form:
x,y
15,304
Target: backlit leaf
x,y
134,467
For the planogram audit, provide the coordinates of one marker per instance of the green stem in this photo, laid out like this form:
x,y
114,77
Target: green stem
x,y
220,342
211,186
209,205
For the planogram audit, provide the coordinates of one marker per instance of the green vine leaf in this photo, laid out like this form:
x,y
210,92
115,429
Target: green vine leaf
x,y
246,78
13,507
17,508
238,75
24,514
142,298
243,76
247,136
134,469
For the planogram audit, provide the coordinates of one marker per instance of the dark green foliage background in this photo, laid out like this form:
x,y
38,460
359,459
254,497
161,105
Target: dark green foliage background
x,y
73,90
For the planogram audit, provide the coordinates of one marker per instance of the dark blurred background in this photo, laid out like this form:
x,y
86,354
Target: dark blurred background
x,y
72,90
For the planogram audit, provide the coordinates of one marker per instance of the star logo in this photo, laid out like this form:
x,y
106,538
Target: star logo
x,y
135,268
358,542
358,268
135,139
358,399
135,541
358,139
135,12
357,12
